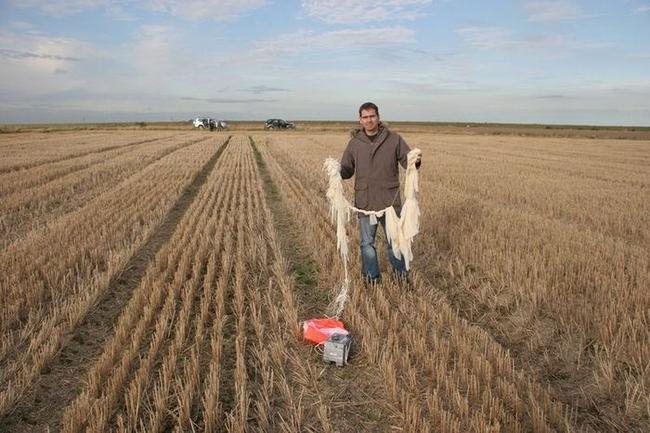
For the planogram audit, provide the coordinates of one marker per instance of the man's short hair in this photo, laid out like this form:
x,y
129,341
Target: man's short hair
x,y
368,106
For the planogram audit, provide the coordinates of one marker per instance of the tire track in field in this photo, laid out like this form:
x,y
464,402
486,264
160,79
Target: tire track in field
x,y
42,409
311,300
79,155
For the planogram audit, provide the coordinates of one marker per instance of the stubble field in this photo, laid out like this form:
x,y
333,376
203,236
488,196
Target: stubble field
x,y
154,281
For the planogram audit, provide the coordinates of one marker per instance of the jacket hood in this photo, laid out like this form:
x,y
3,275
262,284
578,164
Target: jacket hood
x,y
356,131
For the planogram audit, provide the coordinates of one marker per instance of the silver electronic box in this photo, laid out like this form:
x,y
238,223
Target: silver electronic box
x,y
337,349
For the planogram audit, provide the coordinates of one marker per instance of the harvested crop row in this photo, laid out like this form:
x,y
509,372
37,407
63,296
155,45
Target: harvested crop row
x,y
46,270
571,298
21,180
246,387
592,205
536,263
312,397
25,155
564,191
29,141
210,309
559,276
282,383
32,208
616,160
178,288
223,355
464,398
540,160
46,291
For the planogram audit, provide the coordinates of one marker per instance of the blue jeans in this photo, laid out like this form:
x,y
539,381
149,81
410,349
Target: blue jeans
x,y
369,264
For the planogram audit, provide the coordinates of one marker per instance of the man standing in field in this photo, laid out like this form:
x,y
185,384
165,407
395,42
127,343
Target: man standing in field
x,y
373,154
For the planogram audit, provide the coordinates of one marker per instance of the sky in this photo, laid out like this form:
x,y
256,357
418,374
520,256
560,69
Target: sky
x,y
553,61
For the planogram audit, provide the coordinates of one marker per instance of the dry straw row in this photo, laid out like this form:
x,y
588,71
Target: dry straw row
x,y
27,151
52,195
49,282
550,261
528,238
182,278
465,400
27,178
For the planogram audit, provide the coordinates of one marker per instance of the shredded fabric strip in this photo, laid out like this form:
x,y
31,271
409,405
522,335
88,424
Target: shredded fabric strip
x,y
399,231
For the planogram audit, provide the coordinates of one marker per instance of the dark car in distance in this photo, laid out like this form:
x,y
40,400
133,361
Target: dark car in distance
x,y
278,124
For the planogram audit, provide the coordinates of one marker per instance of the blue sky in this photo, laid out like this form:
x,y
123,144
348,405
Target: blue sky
x,y
554,61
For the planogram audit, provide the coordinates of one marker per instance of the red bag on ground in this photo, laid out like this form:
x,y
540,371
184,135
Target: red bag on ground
x,y
318,331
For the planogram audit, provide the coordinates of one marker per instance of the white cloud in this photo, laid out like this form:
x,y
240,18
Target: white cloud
x,y
155,43
23,27
260,89
498,38
205,9
72,74
642,9
487,37
158,55
363,11
165,59
43,52
229,100
34,63
122,9
639,55
553,10
18,55
59,8
301,41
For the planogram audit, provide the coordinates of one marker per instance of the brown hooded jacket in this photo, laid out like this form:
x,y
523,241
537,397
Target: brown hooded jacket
x,y
375,165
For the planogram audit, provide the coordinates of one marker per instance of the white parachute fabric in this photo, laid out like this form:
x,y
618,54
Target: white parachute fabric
x,y
409,221
393,234
339,206
400,231
340,214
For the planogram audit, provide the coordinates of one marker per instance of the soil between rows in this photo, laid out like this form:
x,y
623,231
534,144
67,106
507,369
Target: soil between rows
x,y
42,408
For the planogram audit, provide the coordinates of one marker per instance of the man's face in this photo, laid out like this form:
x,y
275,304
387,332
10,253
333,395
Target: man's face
x,y
369,121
